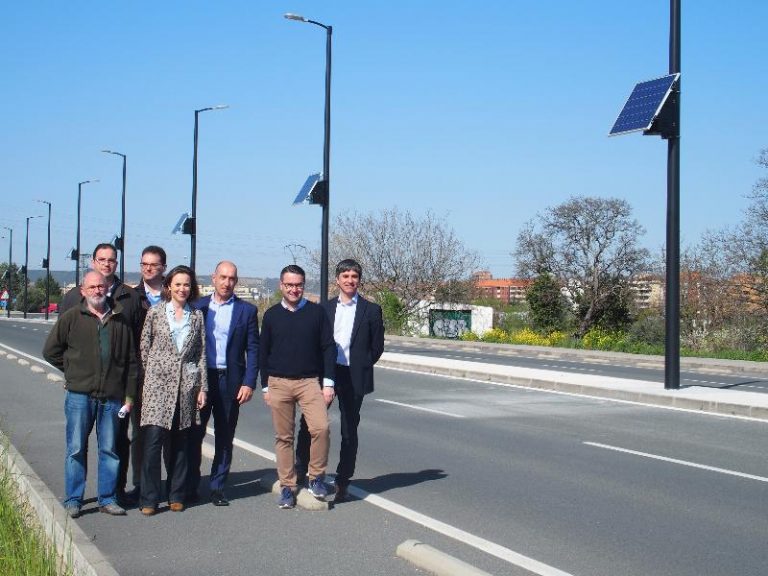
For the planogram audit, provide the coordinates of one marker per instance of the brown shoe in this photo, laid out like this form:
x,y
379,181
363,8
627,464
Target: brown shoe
x,y
177,507
148,511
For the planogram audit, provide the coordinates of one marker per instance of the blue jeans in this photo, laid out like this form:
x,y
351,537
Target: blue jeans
x,y
82,412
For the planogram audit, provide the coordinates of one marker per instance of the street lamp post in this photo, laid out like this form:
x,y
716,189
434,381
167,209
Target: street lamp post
x,y
77,244
120,244
47,263
193,224
26,264
10,273
324,200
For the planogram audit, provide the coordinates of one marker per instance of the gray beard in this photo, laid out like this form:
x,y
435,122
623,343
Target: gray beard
x,y
96,302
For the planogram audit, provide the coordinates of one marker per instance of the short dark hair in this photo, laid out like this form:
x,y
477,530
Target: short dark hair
x,y
347,265
104,246
194,288
293,269
156,250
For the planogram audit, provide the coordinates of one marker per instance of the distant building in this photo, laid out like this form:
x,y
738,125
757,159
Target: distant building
x,y
506,290
648,292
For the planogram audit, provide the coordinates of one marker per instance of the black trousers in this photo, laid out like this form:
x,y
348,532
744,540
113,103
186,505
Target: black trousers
x,y
175,441
129,447
223,405
349,409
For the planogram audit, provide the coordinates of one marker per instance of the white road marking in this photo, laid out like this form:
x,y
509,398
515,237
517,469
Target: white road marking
x,y
20,353
432,524
412,407
577,395
681,462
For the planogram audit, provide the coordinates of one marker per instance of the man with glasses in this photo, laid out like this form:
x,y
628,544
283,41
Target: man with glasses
x,y
296,352
150,291
105,262
93,344
152,275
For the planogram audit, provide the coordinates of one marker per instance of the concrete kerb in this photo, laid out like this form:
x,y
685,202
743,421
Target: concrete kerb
x,y
434,561
72,544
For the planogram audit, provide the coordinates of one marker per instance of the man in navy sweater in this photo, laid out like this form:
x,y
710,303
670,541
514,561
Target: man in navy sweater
x,y
297,352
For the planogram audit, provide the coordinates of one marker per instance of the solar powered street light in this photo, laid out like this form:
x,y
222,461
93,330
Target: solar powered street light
x,y
323,192
654,108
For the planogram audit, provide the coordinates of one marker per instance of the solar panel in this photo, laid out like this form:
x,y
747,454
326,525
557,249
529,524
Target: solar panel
x,y
644,105
305,194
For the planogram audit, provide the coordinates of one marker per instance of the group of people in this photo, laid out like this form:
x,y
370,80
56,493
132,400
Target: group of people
x,y
149,366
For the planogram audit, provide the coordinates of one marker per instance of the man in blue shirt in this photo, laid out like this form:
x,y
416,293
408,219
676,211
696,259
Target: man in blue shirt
x,y
232,348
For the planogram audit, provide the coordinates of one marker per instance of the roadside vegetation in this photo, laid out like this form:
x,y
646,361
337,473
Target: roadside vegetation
x,y
592,284
24,550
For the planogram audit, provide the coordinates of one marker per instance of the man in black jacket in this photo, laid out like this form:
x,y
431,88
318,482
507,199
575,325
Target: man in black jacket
x,y
93,344
358,329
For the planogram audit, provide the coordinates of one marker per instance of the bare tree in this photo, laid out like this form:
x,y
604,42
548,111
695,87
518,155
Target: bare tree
x,y
413,258
734,263
590,245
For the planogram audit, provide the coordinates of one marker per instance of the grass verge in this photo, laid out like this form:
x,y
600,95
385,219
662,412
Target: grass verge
x,y
24,549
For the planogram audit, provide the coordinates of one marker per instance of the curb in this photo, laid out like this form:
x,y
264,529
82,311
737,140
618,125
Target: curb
x,y
433,560
73,546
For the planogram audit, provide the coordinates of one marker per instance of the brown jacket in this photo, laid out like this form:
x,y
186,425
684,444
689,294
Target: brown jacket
x,y
73,346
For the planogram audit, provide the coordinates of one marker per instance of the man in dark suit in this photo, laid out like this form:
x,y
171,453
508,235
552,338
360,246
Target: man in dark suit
x,y
358,329
232,348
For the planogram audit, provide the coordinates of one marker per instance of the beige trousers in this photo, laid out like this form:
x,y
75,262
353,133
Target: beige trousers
x,y
284,394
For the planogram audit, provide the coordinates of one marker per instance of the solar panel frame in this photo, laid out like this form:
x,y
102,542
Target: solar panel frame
x,y
644,105
305,194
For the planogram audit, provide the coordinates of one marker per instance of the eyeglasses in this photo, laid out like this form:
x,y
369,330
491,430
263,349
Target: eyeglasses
x,y
293,286
151,265
103,261
94,287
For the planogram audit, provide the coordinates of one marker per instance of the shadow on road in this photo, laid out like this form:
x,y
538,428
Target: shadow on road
x,y
398,480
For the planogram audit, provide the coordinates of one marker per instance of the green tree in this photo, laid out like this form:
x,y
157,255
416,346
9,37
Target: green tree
x,y
395,317
36,294
547,304
615,312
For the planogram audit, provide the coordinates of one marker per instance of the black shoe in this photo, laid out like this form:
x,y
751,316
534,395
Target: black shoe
x,y
342,494
129,497
218,498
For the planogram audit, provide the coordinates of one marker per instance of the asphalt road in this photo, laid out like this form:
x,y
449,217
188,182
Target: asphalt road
x,y
479,470
757,382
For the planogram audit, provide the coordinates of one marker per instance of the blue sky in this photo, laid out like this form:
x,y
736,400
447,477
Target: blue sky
x,y
485,112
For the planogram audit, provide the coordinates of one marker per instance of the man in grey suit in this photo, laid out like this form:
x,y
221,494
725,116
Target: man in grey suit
x,y
358,329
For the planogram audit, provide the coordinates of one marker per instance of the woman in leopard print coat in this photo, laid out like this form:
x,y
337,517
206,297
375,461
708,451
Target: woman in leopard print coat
x,y
175,385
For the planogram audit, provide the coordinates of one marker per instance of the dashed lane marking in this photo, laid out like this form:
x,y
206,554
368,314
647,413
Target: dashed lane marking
x,y
421,408
681,462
